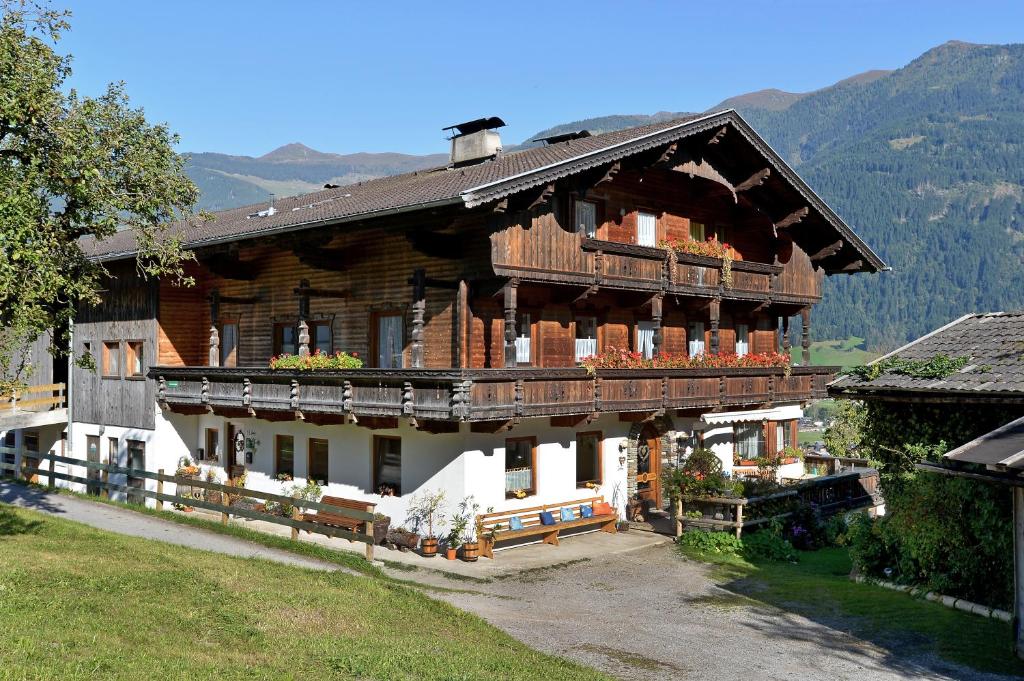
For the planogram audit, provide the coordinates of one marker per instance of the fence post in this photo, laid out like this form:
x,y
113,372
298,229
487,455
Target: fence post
x,y
104,479
224,517
296,515
368,529
51,483
679,517
739,520
159,490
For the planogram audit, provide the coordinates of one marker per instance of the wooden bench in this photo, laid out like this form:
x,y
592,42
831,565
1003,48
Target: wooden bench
x,y
338,520
494,527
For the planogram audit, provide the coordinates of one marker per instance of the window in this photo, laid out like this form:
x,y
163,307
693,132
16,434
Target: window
x,y
720,233
784,431
30,442
286,339
284,456
588,459
228,332
586,337
133,359
646,229
520,464
321,336
390,341
387,465
586,218
212,451
318,460
645,339
111,359
696,230
523,330
695,339
112,448
749,440
742,339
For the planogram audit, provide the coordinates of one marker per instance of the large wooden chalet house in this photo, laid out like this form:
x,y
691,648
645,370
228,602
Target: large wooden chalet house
x,y
471,292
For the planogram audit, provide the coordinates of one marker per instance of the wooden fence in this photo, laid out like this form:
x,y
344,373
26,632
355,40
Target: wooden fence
x,y
830,494
295,522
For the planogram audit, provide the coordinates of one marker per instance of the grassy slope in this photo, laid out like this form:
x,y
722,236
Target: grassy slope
x,y
841,353
819,588
76,602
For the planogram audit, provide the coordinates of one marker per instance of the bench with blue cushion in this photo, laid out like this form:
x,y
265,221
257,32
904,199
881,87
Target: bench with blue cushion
x,y
496,527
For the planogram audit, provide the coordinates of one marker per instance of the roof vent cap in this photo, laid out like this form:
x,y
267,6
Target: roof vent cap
x,y
475,141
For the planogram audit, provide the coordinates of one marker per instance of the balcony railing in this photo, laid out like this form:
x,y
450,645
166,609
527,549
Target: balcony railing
x,y
575,259
476,394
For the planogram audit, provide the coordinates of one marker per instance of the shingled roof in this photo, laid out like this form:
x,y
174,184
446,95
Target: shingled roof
x,y
473,186
993,342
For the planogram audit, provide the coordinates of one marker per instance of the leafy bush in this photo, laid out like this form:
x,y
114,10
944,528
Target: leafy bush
x,y
805,529
722,543
836,529
870,549
317,361
768,544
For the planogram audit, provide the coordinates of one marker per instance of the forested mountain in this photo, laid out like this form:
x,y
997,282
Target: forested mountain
x,y
925,162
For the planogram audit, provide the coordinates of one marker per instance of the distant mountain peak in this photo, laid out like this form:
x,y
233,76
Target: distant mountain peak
x,y
771,99
295,151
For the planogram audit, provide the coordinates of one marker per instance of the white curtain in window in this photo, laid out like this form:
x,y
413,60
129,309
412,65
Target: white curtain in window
x,y
389,342
645,339
586,337
749,440
695,346
586,218
646,228
742,339
523,340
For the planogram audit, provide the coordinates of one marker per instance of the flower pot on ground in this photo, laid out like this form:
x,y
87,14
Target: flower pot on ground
x,y
381,524
470,551
464,528
426,512
451,553
429,547
405,539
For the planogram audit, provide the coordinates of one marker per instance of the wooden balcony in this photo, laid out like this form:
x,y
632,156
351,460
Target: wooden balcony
x,y
572,259
474,394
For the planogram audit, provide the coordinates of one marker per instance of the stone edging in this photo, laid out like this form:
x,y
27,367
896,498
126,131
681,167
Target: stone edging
x,y
948,601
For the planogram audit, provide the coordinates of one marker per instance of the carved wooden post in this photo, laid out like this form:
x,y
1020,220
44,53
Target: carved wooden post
x,y
511,289
715,311
805,340
419,310
785,335
656,311
214,358
463,323
303,316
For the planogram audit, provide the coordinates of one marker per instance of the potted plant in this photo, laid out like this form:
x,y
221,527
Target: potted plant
x,y
459,523
468,510
425,512
213,496
381,524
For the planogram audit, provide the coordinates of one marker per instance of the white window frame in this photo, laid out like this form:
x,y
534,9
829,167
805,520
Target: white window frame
x,y
695,339
646,234
586,345
742,340
523,336
645,338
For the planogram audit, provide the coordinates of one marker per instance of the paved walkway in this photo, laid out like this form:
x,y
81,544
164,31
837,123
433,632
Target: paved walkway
x,y
124,521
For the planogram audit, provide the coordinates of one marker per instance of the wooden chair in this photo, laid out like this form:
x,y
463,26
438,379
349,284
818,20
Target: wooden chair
x,y
494,527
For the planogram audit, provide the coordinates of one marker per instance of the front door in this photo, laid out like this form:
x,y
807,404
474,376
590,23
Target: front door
x,y
648,460
92,453
234,459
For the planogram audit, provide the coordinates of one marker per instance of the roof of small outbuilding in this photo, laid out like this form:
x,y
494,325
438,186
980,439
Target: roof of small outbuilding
x,y
475,185
1001,450
993,342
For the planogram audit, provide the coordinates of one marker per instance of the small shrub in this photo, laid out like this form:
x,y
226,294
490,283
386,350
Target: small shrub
x,y
805,529
721,543
870,549
768,544
836,529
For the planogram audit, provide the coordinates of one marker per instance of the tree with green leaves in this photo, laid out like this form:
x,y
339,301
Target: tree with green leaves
x,y
71,168
845,432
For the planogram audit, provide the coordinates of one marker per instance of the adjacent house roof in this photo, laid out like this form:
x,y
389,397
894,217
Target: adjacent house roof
x,y
488,182
1001,450
994,344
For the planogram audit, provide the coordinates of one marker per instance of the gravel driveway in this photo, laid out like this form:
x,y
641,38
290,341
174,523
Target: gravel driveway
x,y
651,614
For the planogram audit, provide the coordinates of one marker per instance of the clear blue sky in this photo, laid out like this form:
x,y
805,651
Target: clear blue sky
x,y
246,77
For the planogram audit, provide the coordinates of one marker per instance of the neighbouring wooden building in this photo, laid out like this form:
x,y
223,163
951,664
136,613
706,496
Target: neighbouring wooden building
x,y
989,388
472,291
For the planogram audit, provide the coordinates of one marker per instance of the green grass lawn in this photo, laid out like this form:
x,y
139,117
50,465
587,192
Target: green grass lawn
x,y
819,588
76,602
842,353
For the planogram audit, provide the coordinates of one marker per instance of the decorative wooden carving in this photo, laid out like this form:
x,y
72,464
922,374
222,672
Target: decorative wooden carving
x,y
785,335
700,167
667,154
656,310
544,196
828,251
609,174
793,218
855,266
715,313
214,359
719,134
419,309
754,180
303,337
805,340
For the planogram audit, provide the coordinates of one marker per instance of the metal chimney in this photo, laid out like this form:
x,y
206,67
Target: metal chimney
x,y
475,141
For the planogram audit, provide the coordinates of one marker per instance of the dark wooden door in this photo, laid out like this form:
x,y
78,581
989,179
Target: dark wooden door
x,y
136,459
92,454
648,460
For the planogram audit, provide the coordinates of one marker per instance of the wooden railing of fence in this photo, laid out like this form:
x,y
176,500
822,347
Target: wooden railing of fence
x,y
296,524
52,398
830,494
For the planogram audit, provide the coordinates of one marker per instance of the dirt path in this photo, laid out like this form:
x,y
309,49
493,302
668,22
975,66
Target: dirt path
x,y
653,615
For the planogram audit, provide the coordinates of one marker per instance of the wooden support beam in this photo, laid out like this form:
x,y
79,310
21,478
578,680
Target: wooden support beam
x,y
304,290
719,134
828,251
492,427
701,167
754,180
805,340
609,174
462,322
656,314
572,420
793,218
509,294
378,422
437,427
855,266
667,154
636,416
318,419
785,335
419,310
543,198
714,310
501,206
